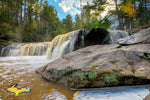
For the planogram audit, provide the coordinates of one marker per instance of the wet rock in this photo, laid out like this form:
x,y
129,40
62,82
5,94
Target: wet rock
x,y
142,36
115,35
101,66
97,36
125,93
148,97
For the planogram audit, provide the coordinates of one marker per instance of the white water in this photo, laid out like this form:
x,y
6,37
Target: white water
x,y
21,70
27,49
59,46
62,44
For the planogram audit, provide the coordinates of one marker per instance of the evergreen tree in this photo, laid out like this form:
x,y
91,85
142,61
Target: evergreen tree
x,y
68,23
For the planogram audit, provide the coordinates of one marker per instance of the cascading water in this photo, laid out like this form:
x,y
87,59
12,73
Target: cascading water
x,y
25,49
60,45
63,44
21,69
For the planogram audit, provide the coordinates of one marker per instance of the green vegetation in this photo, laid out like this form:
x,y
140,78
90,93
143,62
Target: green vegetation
x,y
31,21
133,70
85,75
91,74
104,78
127,14
94,67
36,20
131,13
111,77
80,75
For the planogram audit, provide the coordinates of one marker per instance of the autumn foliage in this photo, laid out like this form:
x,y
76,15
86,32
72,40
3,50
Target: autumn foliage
x,y
128,9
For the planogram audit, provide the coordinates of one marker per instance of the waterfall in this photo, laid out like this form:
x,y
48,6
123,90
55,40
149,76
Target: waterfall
x,y
65,43
62,44
59,46
25,49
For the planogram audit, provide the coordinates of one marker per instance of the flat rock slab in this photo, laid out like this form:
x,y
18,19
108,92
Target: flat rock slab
x,y
142,36
101,66
117,94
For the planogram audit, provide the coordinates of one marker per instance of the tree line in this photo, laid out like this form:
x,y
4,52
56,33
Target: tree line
x,y
36,20
32,21
128,14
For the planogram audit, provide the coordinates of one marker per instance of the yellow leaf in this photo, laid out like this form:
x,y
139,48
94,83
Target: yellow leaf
x,y
128,9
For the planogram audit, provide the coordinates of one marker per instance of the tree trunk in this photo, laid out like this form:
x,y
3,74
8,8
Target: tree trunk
x,y
25,20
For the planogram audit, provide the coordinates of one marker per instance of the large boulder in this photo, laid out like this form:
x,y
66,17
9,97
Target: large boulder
x,y
115,35
101,66
142,36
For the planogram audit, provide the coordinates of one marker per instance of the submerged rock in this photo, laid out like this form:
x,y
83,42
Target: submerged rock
x,y
101,66
142,36
126,93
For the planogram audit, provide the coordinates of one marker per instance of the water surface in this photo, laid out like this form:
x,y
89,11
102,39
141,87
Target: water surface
x,y
21,70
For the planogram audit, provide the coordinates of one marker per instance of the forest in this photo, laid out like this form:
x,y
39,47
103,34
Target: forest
x,y
37,20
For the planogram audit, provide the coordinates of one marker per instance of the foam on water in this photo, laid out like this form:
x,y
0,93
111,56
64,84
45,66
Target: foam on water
x,y
23,60
21,70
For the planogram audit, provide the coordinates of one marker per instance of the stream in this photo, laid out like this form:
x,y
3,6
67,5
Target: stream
x,y
21,70
23,59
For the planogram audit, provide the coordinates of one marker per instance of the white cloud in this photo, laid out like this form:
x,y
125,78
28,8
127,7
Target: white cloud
x,y
72,6
65,8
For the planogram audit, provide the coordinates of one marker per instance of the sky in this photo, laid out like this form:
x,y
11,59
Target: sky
x,y
65,7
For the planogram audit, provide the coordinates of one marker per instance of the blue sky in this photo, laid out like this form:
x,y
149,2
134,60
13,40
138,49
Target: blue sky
x,y
61,13
65,7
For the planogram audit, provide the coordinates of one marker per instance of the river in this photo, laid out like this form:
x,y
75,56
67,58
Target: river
x,y
23,59
21,70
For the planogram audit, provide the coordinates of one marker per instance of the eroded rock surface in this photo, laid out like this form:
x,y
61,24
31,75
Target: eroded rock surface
x,y
142,36
101,66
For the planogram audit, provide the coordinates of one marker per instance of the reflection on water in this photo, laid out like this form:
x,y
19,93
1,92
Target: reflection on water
x,y
21,70
54,95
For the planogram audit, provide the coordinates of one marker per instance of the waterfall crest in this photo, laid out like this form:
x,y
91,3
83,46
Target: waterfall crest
x,y
25,49
59,46
62,44
65,43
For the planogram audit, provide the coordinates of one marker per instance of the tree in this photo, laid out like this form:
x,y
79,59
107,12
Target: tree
x,y
92,12
68,23
78,22
129,10
104,23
